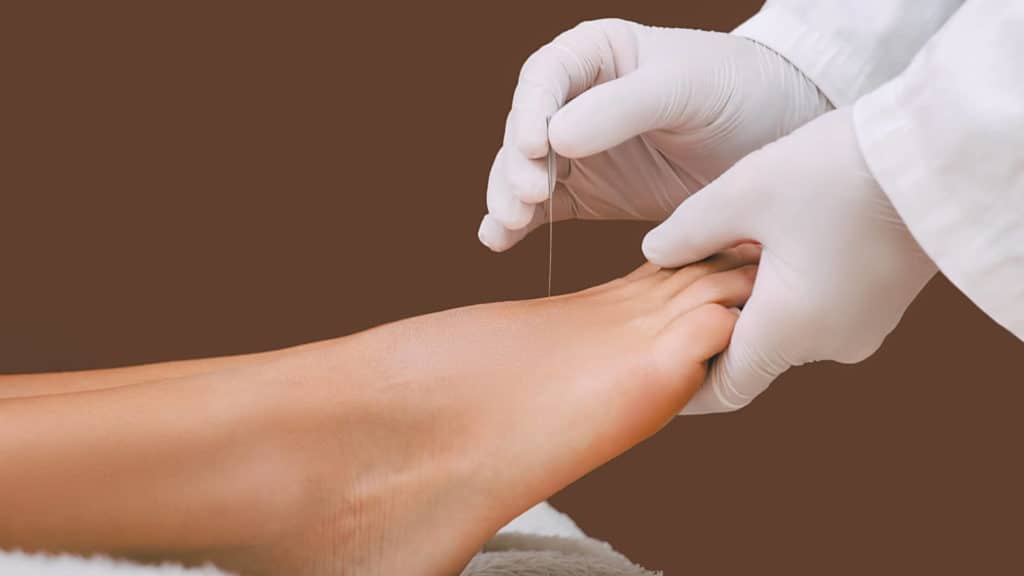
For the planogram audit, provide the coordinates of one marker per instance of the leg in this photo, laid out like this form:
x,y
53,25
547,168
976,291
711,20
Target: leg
x,y
509,403
349,456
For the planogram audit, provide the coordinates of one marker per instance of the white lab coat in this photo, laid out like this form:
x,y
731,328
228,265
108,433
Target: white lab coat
x,y
944,135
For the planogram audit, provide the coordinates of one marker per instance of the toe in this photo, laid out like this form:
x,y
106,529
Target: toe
x,y
645,270
682,349
743,255
730,288
700,333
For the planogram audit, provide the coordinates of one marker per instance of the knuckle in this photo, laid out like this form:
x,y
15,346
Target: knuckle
x,y
586,27
534,62
524,184
598,25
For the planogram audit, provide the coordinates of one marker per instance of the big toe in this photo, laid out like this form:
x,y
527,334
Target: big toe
x,y
682,350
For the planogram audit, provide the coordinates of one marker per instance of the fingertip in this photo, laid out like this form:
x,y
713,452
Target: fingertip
x,y
527,178
649,247
530,132
561,133
485,234
655,250
704,224
493,235
571,132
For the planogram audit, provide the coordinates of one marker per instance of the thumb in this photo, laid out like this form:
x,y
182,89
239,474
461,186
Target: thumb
x,y
715,218
746,368
608,114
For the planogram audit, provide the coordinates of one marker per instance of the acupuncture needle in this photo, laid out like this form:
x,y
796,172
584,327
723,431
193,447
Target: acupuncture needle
x,y
552,178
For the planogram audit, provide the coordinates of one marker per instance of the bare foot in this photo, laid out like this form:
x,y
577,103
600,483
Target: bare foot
x,y
410,444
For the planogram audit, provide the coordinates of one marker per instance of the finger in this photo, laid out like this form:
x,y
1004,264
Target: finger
x,y
717,217
499,238
573,62
609,114
527,178
730,288
747,367
502,202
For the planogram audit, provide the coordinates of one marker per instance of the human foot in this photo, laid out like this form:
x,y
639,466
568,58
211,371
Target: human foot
x,y
417,440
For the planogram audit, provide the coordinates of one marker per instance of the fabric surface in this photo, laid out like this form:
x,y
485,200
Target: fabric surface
x,y
545,542
541,542
847,47
945,140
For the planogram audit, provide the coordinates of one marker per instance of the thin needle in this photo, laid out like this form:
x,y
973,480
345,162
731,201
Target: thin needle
x,y
552,177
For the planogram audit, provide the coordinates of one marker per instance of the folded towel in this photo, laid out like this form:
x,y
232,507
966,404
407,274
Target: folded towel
x,y
545,542
541,542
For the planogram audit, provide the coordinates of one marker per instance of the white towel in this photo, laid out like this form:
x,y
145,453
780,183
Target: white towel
x,y
541,542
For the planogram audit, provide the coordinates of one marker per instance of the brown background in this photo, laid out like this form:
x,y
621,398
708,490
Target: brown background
x,y
208,178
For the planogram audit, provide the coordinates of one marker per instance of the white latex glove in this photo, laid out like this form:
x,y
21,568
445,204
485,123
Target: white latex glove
x,y
838,267
650,116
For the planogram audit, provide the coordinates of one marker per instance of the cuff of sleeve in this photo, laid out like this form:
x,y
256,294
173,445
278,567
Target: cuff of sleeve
x,y
915,144
839,70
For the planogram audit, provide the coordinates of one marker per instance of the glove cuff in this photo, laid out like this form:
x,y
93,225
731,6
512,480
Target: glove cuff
x,y
822,58
847,49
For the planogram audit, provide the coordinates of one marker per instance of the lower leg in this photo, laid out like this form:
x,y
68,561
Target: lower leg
x,y
348,456
481,412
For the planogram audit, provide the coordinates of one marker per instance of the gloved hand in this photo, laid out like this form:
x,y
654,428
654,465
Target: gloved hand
x,y
650,116
838,266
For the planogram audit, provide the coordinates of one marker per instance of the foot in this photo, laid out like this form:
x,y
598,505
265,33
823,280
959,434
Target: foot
x,y
417,440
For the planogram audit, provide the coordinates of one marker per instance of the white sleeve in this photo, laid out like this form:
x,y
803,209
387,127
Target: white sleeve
x,y
847,47
945,140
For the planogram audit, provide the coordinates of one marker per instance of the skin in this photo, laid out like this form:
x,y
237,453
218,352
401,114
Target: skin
x,y
352,456
21,385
